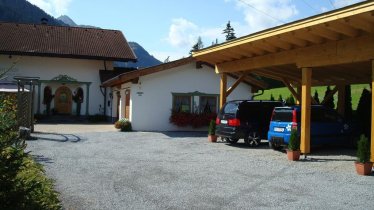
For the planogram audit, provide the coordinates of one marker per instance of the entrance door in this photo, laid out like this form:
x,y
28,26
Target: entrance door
x,y
127,104
63,100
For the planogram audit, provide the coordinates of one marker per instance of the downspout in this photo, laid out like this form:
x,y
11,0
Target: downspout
x,y
105,104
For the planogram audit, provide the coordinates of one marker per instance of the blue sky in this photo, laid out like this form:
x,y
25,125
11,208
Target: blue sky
x,y
171,27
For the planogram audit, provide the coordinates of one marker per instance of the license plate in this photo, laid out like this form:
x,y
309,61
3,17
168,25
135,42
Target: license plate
x,y
224,121
277,129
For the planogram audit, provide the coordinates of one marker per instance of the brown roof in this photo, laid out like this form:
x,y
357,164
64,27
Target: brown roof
x,y
129,76
134,75
65,42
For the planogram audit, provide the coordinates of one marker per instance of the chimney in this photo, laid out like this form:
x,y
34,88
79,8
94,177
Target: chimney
x,y
44,21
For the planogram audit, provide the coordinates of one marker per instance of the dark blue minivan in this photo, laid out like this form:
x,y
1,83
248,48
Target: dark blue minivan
x,y
327,126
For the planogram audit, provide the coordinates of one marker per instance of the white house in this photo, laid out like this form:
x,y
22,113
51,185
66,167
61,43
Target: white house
x,y
67,60
148,96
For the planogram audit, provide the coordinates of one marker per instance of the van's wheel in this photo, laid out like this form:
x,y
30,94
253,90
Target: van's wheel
x,y
253,139
231,140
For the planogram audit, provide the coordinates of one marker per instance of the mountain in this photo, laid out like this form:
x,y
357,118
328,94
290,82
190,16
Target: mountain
x,y
67,20
22,11
144,58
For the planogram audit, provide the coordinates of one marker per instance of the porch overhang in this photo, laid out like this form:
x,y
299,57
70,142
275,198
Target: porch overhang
x,y
334,48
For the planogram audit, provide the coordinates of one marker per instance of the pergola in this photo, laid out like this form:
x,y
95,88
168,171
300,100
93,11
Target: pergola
x,y
334,48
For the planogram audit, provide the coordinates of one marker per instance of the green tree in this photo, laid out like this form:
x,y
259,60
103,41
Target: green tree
x,y
329,103
290,101
271,97
280,98
363,112
348,103
316,97
199,45
229,31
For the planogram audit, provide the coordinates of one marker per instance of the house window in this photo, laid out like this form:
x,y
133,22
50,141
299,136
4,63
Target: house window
x,y
208,104
182,103
195,102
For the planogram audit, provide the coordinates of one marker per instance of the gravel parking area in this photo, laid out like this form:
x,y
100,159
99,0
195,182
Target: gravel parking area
x,y
181,170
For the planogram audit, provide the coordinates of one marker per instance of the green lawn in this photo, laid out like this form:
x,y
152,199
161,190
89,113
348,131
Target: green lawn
x,y
356,91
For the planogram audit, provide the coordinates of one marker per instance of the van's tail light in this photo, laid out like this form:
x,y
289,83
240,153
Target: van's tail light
x,y
234,122
294,120
218,121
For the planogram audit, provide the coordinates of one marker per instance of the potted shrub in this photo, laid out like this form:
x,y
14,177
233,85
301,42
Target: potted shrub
x,y
363,164
123,124
293,151
212,132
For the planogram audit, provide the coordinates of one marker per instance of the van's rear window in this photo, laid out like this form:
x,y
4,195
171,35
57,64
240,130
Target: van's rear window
x,y
282,115
230,108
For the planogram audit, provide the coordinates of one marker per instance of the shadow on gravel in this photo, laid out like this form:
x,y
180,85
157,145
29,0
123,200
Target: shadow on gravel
x,y
329,153
57,137
42,159
242,145
184,134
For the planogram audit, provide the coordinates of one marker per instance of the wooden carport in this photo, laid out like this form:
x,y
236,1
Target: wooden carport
x,y
334,48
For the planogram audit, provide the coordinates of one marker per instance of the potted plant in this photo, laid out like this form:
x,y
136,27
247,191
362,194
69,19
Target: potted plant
x,y
293,151
212,132
363,164
123,124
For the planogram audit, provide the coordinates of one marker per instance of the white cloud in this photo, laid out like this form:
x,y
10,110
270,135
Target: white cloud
x,y
183,34
262,14
52,7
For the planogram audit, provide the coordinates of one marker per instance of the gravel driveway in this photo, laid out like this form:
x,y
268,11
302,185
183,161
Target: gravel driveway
x,y
177,170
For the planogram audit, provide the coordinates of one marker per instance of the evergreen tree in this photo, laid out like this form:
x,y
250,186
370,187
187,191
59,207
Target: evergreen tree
x,y
229,31
348,103
329,103
280,98
290,101
316,97
199,45
363,112
271,97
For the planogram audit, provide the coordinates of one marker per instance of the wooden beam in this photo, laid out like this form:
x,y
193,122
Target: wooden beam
x,y
305,110
324,32
298,89
341,99
332,53
236,83
330,95
223,88
293,40
360,23
304,34
293,92
372,112
342,28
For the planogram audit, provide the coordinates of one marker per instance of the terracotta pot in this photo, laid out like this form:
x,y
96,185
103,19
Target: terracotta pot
x,y
364,168
293,155
212,138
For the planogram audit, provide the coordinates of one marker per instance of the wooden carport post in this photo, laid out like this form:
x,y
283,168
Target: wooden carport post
x,y
305,109
222,90
372,112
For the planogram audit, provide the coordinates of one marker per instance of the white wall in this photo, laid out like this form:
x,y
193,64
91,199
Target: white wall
x,y
150,111
47,68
